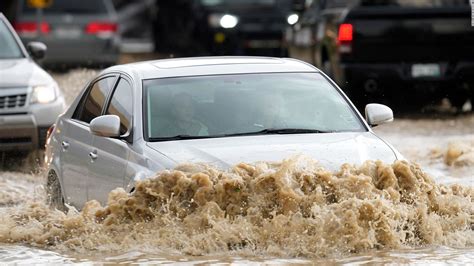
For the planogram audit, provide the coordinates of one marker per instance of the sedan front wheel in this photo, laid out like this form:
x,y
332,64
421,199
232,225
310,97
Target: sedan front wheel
x,y
54,196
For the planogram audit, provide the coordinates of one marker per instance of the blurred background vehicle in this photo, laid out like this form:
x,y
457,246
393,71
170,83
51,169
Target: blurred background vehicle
x,y
223,27
77,32
87,32
404,52
30,99
410,53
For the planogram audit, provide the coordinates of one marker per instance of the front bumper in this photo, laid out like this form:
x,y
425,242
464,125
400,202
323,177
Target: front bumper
x,y
85,51
395,78
26,129
18,132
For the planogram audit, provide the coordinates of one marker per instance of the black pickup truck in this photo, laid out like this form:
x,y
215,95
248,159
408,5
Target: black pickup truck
x,y
410,52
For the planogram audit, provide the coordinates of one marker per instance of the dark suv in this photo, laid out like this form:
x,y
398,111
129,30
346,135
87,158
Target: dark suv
x,y
223,27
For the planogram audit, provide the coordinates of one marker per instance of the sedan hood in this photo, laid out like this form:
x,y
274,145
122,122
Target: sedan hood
x,y
22,72
330,149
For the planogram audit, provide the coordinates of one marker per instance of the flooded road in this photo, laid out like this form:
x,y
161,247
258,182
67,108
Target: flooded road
x,y
430,224
444,147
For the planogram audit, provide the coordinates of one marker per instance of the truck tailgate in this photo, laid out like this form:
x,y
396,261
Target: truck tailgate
x,y
388,34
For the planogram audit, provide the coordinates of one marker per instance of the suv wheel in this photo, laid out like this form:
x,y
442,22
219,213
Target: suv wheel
x,y
54,195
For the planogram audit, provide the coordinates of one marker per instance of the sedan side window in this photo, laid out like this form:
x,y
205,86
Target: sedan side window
x,y
92,106
122,105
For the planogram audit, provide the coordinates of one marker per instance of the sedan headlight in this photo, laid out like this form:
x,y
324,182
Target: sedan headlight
x,y
225,21
292,19
43,94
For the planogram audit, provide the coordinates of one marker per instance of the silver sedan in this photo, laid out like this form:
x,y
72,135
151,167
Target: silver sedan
x,y
134,120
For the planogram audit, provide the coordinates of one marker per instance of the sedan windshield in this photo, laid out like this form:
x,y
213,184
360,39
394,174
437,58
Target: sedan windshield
x,y
243,104
8,46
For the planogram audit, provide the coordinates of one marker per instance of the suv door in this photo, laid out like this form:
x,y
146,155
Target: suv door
x,y
77,140
107,170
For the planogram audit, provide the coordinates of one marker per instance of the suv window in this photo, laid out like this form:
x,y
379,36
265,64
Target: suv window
x,y
92,106
119,4
122,105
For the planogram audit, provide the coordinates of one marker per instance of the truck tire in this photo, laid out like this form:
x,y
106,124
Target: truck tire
x,y
54,195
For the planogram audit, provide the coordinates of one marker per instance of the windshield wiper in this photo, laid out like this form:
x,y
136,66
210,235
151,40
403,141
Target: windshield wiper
x,y
260,132
279,131
180,137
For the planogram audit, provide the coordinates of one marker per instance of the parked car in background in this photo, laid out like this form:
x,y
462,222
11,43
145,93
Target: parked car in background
x,y
84,32
415,52
136,119
30,100
88,32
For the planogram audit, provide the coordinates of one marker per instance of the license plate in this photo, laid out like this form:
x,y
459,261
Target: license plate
x,y
263,44
425,70
68,33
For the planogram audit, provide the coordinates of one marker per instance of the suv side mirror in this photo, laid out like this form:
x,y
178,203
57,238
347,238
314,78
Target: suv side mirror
x,y
105,126
377,114
37,49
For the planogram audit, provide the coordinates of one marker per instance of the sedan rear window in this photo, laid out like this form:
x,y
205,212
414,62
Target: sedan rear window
x,y
8,46
71,7
221,105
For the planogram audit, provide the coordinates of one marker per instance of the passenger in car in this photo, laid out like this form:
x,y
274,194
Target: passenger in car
x,y
182,120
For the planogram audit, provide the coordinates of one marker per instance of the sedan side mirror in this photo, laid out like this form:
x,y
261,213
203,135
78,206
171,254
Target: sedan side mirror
x,y
377,114
37,49
105,126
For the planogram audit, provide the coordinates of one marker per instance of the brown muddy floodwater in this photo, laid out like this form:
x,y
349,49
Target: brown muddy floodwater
x,y
290,212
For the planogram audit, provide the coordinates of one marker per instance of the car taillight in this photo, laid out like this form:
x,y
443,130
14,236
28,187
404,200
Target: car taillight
x,y
345,37
32,27
101,28
345,33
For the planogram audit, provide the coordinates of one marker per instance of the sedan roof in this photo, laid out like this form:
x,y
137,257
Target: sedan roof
x,y
218,65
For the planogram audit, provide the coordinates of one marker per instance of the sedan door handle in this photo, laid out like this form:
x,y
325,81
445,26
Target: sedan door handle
x,y
93,155
65,145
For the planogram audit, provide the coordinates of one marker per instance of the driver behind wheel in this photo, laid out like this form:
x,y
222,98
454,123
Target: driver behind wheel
x,y
182,120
